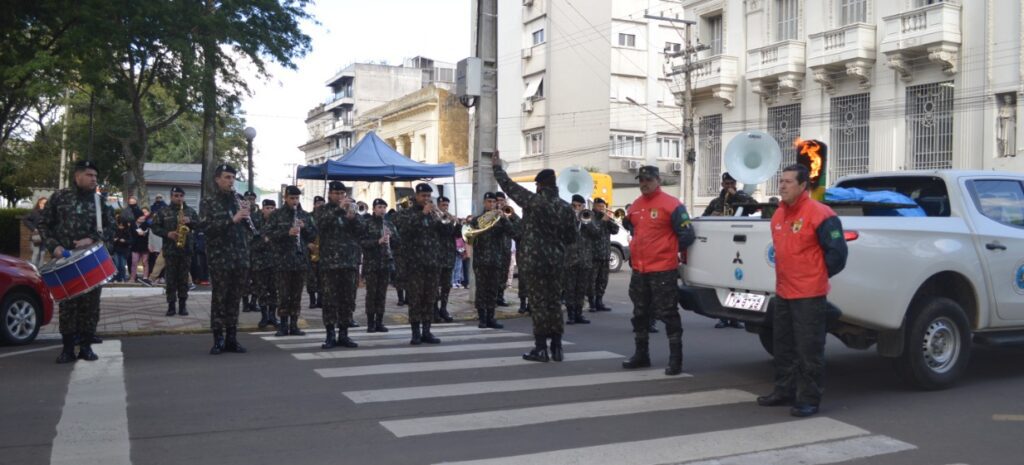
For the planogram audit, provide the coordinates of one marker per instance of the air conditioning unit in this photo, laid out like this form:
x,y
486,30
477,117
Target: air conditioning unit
x,y
527,106
632,165
676,166
527,52
527,2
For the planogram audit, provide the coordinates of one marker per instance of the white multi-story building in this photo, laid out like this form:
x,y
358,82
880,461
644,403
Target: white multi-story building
x,y
888,85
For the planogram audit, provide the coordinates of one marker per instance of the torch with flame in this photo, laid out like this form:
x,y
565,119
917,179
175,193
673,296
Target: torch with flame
x,y
812,154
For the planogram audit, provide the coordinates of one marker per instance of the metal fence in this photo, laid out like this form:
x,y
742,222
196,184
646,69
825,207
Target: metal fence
x,y
930,126
784,126
710,128
850,131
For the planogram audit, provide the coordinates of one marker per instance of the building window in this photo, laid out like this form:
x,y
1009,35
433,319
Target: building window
x,y
853,11
930,126
626,145
627,40
714,33
534,89
538,37
673,47
534,143
850,133
784,127
786,19
710,140
669,147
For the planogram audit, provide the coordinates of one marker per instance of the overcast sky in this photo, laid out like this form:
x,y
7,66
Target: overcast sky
x,y
349,31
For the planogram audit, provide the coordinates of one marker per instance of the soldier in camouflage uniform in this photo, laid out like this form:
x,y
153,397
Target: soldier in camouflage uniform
x,y
249,299
264,287
506,250
421,233
579,260
314,280
290,231
602,251
660,223
379,239
548,226
447,265
340,230
225,221
68,223
177,260
487,261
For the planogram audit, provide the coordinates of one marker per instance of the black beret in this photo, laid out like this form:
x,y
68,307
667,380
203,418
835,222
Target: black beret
x,y
177,190
600,201
576,198
727,177
423,187
336,186
269,203
250,194
292,190
489,196
318,199
544,175
648,171
443,199
82,165
225,168
499,195
379,202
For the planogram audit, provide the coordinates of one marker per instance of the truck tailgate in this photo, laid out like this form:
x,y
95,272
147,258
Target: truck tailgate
x,y
731,254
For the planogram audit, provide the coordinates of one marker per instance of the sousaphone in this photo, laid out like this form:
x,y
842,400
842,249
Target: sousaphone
x,y
574,180
752,157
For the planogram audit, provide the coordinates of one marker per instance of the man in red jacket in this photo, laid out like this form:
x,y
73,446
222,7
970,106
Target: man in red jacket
x,y
809,249
661,230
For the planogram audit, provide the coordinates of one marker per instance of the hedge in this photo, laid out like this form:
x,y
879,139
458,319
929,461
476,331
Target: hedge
x,y
10,229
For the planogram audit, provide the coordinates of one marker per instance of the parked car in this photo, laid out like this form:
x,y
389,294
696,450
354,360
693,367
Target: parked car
x,y
922,289
619,250
25,301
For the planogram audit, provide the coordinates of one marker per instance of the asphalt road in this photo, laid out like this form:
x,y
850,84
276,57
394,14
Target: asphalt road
x,y
171,403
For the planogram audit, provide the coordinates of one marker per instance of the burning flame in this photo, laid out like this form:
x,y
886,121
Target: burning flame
x,y
812,150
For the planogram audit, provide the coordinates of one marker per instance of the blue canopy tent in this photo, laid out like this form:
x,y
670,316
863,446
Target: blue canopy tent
x,y
374,160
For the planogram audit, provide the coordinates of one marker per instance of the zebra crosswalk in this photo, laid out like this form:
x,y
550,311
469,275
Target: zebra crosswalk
x,y
469,353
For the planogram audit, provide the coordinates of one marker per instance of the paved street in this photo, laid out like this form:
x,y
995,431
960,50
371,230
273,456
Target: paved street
x,y
162,400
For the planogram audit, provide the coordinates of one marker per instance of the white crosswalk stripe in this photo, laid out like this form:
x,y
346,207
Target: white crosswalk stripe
x,y
362,329
818,454
468,364
404,340
394,332
438,349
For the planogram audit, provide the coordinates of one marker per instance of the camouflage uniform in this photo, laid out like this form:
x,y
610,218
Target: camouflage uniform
x,y
488,263
70,215
340,253
740,198
602,253
421,246
291,257
506,257
264,289
579,273
376,268
448,253
547,228
227,251
177,261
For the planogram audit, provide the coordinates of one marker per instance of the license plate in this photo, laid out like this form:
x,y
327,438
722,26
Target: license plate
x,y
745,301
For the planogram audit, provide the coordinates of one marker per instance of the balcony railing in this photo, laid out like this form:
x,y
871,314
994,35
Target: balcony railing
x,y
932,31
777,67
719,74
849,49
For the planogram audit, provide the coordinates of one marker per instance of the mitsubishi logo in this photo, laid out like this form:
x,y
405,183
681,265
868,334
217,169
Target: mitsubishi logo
x,y
737,260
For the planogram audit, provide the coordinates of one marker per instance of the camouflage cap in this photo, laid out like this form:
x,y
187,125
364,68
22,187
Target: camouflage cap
x,y
648,172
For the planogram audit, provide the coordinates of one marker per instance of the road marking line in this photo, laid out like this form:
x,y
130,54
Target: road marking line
x,y
700,446
1006,417
361,330
393,333
401,341
440,349
571,411
468,364
28,351
93,427
514,385
818,454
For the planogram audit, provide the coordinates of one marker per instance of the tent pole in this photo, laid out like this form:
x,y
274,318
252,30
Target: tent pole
x,y
455,194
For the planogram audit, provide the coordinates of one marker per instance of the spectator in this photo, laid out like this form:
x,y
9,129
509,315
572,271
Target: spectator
x,y
156,259
122,249
200,272
132,211
158,204
460,255
31,222
140,247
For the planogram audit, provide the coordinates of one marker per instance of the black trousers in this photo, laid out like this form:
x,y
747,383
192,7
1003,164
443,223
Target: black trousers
x,y
656,296
798,326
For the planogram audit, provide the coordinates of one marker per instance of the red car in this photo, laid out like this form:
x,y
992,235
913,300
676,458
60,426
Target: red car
x,y
25,302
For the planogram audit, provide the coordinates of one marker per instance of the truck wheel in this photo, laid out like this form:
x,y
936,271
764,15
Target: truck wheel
x,y
938,345
615,260
766,336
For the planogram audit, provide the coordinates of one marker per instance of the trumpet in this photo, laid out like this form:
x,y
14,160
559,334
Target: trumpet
x,y
183,229
362,208
508,210
619,215
585,216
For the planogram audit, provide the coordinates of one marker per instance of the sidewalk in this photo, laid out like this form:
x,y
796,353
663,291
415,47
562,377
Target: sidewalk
x,y
137,310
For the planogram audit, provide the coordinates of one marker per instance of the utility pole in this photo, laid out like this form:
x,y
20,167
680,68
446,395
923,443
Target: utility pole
x,y
687,189
485,137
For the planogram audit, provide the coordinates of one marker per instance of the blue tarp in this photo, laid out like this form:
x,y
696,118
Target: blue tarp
x,y
374,160
839,194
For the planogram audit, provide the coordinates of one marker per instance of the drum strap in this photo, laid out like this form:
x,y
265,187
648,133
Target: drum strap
x,y
99,214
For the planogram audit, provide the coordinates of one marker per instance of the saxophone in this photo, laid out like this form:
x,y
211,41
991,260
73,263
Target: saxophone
x,y
183,229
314,250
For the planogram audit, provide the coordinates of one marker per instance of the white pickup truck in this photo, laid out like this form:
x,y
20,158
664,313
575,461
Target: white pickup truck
x,y
921,289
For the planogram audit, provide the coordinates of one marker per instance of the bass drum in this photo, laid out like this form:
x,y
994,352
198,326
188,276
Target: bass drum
x,y
81,271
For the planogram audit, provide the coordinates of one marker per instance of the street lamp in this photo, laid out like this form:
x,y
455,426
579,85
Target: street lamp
x,y
250,134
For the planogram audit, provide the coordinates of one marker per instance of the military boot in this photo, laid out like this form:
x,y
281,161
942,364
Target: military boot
x,y
85,348
481,315
293,327
493,322
352,323
591,306
380,324
68,354
522,306
218,342
556,348
427,337
417,338
245,304
435,315
330,342
445,316
272,316
539,352
263,318
344,340
171,310
401,297
570,315
371,323
231,343
601,307
675,358
641,357
182,309
312,300
579,316
501,299
282,327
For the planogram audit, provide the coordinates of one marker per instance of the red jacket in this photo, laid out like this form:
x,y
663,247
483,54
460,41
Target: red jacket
x,y
661,228
809,248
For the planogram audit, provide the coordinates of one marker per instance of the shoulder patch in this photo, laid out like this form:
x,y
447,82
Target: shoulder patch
x,y
834,234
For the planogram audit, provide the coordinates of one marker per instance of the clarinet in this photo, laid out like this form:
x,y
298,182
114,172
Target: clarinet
x,y
248,219
298,237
